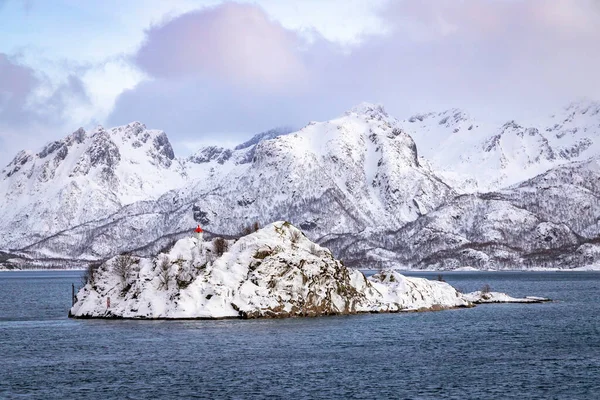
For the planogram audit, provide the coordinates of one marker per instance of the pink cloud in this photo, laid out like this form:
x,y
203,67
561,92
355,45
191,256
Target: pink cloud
x,y
232,69
233,42
16,84
554,17
26,118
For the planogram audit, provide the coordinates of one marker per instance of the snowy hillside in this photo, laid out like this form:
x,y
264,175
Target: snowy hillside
x,y
83,177
356,183
482,155
356,173
550,221
274,272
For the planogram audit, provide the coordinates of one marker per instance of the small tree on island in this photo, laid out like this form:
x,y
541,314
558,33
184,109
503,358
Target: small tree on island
x,y
122,265
89,276
220,245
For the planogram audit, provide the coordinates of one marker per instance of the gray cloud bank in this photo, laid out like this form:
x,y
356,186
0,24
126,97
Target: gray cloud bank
x,y
232,69
31,109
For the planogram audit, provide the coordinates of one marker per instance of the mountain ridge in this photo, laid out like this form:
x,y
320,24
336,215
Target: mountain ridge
x,y
358,183
478,155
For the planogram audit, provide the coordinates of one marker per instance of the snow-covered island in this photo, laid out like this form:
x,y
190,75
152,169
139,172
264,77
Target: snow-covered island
x,y
275,272
482,297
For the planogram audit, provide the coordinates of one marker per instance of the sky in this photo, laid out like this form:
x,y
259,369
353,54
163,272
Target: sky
x,y
211,72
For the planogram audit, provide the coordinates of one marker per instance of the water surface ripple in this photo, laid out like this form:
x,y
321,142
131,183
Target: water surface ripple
x,y
512,351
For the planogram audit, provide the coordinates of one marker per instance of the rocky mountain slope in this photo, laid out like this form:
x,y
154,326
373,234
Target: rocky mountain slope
x,y
481,155
83,177
356,184
549,221
357,173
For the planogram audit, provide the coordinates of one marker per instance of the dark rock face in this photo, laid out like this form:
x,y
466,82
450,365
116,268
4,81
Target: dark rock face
x,y
61,154
243,202
77,137
211,153
226,155
103,151
308,225
17,163
270,134
575,150
200,216
248,157
492,143
164,150
49,149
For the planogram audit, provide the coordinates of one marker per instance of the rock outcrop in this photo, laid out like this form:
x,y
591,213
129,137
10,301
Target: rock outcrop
x,y
273,272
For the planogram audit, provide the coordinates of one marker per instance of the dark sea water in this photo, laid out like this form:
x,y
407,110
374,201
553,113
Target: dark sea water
x,y
509,351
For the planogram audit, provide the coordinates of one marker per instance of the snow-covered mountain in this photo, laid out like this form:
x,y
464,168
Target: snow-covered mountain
x,y
549,221
481,155
356,184
357,173
83,177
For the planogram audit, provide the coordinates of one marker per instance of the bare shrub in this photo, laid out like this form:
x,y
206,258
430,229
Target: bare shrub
x,y
164,266
295,236
122,266
163,263
180,260
440,278
89,275
184,277
248,229
263,253
220,245
486,288
277,249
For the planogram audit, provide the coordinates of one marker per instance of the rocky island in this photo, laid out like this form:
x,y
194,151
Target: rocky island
x,y
272,272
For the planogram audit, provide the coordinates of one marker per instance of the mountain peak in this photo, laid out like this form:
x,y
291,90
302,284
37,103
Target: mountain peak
x,y
270,134
584,106
368,109
449,118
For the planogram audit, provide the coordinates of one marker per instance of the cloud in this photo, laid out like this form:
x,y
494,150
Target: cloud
x,y
230,70
16,85
505,55
31,107
232,42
